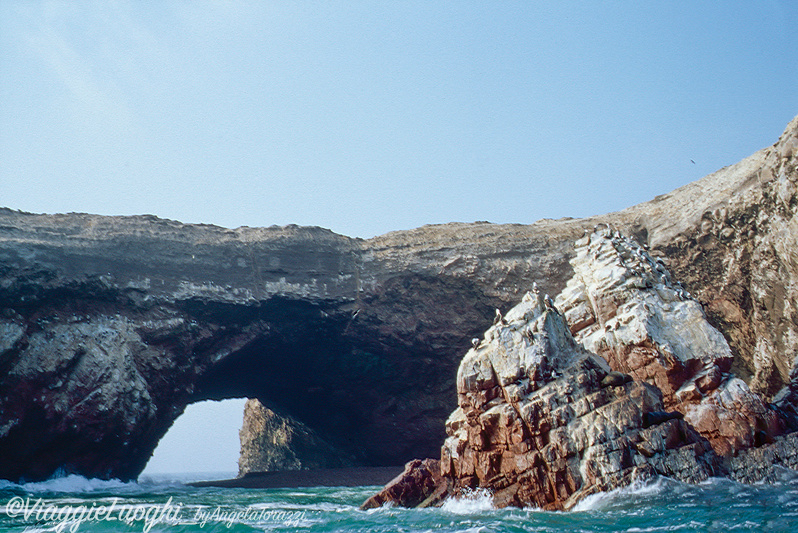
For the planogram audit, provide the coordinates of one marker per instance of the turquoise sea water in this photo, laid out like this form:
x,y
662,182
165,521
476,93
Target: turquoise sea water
x,y
167,505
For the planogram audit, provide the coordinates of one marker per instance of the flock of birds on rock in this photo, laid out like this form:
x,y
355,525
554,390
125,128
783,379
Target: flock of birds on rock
x,y
641,254
619,242
499,320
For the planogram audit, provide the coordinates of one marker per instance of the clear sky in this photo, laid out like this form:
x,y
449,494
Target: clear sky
x,y
204,439
367,117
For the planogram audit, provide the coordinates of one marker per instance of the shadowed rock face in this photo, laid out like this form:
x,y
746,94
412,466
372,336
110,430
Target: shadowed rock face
x,y
110,326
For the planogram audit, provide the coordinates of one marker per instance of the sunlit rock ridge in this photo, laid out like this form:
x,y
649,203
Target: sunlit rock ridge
x,y
110,326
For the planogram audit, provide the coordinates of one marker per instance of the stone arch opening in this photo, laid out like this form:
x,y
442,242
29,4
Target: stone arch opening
x,y
202,440
372,377
328,377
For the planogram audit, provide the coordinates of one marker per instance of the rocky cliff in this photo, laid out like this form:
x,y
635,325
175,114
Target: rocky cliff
x,y
545,418
542,422
271,442
623,305
110,326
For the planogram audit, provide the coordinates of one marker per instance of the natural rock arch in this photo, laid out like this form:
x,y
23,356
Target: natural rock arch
x,y
112,326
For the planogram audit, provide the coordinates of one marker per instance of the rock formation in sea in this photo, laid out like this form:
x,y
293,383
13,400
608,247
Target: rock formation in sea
x,y
271,442
624,305
542,422
545,418
110,326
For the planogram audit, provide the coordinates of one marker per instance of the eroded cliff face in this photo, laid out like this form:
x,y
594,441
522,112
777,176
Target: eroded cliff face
x,y
733,247
627,380
110,326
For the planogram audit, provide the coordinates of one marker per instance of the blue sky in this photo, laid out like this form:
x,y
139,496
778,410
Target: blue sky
x,y
367,117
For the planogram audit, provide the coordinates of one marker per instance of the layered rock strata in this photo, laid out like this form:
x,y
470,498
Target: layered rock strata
x,y
619,379
419,485
110,326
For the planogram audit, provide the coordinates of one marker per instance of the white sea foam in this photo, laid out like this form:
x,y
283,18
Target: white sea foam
x,y
324,507
172,479
601,500
77,484
475,501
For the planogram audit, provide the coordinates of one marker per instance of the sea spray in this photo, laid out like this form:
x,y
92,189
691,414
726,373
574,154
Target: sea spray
x,y
470,502
638,489
78,484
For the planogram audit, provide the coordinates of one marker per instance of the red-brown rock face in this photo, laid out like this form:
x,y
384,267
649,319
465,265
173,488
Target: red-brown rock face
x,y
623,305
420,485
542,422
639,384
110,326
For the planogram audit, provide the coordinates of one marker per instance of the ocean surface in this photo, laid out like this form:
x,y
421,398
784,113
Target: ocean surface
x,y
166,504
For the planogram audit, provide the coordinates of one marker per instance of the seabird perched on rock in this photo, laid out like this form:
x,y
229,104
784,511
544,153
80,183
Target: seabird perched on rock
x,y
549,303
527,297
475,342
535,287
499,319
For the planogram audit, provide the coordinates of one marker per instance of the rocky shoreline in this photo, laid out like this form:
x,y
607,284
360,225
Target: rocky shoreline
x,y
619,379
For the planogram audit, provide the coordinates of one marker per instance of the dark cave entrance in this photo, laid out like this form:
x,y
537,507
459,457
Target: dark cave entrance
x,y
370,397
311,377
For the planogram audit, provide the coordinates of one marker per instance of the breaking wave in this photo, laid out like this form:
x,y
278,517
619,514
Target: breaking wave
x,y
635,491
475,501
72,484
